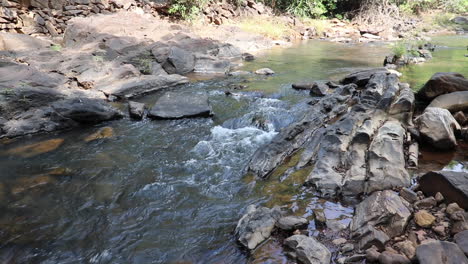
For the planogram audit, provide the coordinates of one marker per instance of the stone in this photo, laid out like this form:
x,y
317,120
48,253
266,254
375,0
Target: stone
x,y
18,42
136,110
424,219
372,255
439,197
392,258
460,117
86,110
437,252
211,65
440,230
307,250
256,225
384,210
302,86
291,223
437,127
248,57
319,216
408,195
348,247
462,241
453,208
264,71
362,77
27,183
105,132
355,258
461,20
456,101
179,61
319,89
459,226
339,241
176,105
407,248
35,149
443,83
452,185
428,202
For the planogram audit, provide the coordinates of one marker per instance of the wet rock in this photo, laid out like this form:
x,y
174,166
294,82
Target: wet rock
x,y
239,73
290,223
409,195
428,202
256,225
302,86
175,105
460,117
105,132
452,185
384,210
456,101
264,71
307,250
141,85
248,57
320,216
407,248
85,110
462,241
362,77
319,89
392,258
424,219
437,127
179,61
36,148
443,83
437,252
136,110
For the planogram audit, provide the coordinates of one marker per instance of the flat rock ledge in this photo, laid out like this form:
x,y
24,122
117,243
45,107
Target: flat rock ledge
x,y
354,136
176,105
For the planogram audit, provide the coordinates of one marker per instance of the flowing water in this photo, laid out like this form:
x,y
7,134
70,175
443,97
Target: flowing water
x,y
170,191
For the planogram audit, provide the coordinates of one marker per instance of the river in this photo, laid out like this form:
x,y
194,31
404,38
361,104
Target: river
x,y
173,191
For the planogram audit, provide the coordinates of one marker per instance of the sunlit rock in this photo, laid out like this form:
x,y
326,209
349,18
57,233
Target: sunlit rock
x,y
36,148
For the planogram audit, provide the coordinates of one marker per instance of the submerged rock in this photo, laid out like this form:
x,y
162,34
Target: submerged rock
x,y
437,126
307,250
36,148
381,216
105,132
438,252
256,225
175,105
452,185
443,83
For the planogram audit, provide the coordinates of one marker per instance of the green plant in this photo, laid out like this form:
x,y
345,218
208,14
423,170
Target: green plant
x,y
187,9
98,58
399,49
56,47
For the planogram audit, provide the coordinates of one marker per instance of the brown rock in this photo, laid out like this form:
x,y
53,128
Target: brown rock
x,y
372,255
459,226
36,148
407,248
453,208
424,219
440,230
392,258
105,132
460,117
426,203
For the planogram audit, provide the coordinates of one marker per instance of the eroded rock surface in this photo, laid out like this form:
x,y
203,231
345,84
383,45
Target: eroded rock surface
x,y
443,83
437,126
175,105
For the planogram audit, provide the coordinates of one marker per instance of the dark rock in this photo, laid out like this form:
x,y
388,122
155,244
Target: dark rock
x,y
462,241
136,110
392,258
461,20
452,185
456,101
307,250
438,252
384,210
355,258
407,248
302,86
179,61
256,225
85,110
443,83
372,255
319,89
248,57
362,77
437,126
175,105
290,223
460,117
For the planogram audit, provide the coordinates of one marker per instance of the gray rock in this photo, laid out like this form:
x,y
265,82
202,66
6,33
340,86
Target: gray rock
x,y
438,252
211,65
264,71
256,225
437,126
136,110
452,185
384,210
85,110
443,83
462,241
21,42
302,86
461,20
290,223
175,105
392,258
362,77
409,195
456,101
179,61
307,250
319,89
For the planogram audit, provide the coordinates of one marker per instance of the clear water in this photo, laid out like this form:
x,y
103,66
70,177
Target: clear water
x,y
165,191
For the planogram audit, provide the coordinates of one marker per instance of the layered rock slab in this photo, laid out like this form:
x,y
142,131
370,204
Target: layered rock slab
x,y
176,105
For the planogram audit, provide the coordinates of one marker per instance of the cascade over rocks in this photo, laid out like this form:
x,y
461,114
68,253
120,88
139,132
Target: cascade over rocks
x,y
354,137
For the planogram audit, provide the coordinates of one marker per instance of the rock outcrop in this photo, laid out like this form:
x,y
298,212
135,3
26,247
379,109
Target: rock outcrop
x,y
353,136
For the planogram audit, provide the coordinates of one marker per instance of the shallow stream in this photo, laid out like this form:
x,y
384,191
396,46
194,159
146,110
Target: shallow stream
x,y
173,191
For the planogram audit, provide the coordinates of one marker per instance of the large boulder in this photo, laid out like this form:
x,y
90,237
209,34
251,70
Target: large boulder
x,y
454,102
179,61
86,110
307,250
175,105
452,185
443,83
362,77
256,225
381,216
211,65
437,126
462,241
438,252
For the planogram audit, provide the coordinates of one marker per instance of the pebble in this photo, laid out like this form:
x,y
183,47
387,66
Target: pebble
x,y
339,241
424,219
425,203
439,230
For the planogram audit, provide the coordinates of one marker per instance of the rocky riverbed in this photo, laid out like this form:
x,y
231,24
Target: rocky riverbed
x,y
361,139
